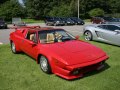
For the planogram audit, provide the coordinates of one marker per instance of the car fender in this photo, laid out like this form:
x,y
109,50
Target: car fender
x,y
50,60
12,39
92,30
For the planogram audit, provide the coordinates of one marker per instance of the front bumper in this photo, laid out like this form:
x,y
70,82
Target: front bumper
x,y
3,26
80,23
67,72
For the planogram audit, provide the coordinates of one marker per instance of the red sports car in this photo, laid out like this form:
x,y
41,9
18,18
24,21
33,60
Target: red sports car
x,y
57,51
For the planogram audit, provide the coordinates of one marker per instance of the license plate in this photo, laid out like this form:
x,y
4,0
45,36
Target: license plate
x,y
100,67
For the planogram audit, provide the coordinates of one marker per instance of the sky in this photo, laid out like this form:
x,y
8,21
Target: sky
x,y
21,1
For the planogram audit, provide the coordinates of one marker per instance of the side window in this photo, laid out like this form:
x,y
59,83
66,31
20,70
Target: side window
x,y
32,37
102,26
113,28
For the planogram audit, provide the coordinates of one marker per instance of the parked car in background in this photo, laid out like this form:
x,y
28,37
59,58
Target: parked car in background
x,y
67,21
3,24
114,21
109,33
58,21
117,19
49,21
55,21
77,20
18,22
58,51
102,20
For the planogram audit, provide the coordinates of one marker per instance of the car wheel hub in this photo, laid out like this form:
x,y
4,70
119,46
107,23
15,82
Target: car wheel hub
x,y
44,64
13,47
87,36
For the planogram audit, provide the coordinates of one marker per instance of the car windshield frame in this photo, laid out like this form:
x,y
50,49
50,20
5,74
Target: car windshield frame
x,y
63,36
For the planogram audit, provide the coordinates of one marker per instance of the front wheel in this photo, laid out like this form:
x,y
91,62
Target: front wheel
x,y
13,47
44,65
88,36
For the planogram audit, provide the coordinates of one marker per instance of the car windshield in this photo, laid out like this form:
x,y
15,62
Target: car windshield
x,y
53,36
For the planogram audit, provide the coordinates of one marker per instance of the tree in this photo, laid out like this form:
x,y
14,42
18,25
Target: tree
x,y
63,11
41,8
11,9
3,1
96,12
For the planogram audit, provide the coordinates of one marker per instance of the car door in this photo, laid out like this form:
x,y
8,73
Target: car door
x,y
29,44
109,34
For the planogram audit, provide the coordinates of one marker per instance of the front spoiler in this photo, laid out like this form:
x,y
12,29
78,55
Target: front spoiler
x,y
86,67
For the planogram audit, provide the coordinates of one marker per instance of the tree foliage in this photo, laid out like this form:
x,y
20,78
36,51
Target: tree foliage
x,y
40,8
96,12
11,9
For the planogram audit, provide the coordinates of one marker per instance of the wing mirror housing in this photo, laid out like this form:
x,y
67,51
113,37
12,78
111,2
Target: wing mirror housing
x,y
32,43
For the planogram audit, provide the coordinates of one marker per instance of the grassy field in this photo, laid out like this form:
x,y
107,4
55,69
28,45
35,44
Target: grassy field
x,y
20,72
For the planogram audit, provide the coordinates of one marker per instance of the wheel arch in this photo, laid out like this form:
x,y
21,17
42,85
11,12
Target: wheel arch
x,y
86,31
40,54
50,60
16,45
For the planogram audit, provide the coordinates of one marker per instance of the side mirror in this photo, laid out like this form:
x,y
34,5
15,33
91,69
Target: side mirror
x,y
32,43
77,37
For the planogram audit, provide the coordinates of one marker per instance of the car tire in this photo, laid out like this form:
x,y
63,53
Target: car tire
x,y
44,65
88,36
13,47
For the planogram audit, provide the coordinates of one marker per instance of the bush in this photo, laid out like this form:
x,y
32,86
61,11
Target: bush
x,y
96,12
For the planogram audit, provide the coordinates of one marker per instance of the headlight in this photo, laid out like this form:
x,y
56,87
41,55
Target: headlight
x,y
76,71
57,21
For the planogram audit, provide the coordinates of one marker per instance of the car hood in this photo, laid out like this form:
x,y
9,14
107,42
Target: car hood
x,y
75,52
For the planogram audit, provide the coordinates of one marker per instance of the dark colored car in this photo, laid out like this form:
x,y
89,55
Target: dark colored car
x,y
49,21
56,21
3,24
67,21
77,20
102,20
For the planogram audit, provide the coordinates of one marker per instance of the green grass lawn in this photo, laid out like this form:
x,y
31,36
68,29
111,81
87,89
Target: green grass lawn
x,y
32,21
20,72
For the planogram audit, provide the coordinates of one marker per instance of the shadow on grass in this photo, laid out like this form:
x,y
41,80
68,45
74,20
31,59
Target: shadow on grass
x,y
97,71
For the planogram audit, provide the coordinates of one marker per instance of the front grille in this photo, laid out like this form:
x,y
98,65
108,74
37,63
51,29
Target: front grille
x,y
86,69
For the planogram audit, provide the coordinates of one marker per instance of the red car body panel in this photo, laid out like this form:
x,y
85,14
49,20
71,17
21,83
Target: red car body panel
x,y
64,57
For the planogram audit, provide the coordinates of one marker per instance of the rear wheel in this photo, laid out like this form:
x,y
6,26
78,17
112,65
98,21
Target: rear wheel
x,y
13,47
44,65
88,36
